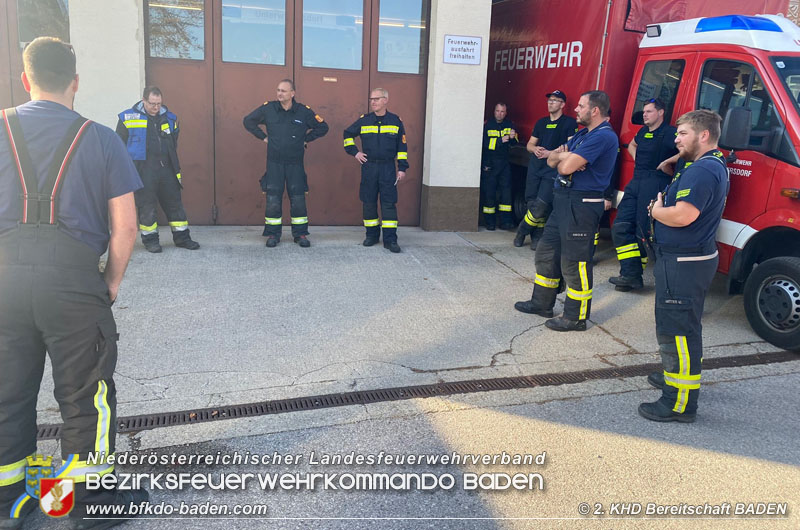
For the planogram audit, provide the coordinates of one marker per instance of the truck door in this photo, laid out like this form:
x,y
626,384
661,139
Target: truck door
x,y
659,76
730,82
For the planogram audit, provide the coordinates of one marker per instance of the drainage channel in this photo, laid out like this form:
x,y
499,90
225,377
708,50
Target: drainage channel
x,y
145,422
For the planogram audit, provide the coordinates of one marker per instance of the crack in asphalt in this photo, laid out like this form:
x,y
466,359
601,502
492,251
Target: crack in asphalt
x,y
491,255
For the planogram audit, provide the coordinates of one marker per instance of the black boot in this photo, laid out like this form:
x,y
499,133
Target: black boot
x,y
657,411
182,239
656,379
565,324
370,241
626,283
151,244
528,306
124,499
522,231
393,247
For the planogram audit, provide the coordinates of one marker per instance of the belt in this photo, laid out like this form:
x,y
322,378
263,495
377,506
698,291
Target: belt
x,y
667,249
379,159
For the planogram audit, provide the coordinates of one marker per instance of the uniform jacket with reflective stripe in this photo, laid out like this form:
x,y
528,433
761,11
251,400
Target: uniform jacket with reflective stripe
x,y
133,128
287,130
382,138
493,145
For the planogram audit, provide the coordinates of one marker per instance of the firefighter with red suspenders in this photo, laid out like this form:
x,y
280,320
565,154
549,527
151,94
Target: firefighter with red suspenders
x,y
63,180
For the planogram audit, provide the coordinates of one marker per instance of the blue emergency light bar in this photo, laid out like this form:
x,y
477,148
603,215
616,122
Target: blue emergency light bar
x,y
734,22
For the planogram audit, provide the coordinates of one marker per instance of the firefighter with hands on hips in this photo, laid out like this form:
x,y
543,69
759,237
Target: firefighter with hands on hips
x,y
549,133
290,126
498,135
585,167
383,139
150,131
685,221
653,144
64,182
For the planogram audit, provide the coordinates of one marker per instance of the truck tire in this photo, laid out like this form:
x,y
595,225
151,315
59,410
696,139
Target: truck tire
x,y
772,302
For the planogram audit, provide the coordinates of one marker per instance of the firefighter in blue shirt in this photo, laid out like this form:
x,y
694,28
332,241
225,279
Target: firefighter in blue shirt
x,y
685,222
383,139
150,131
653,144
66,196
549,133
290,126
498,135
585,168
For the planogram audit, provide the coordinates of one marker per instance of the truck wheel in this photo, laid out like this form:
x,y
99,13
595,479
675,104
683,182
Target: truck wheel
x,y
772,301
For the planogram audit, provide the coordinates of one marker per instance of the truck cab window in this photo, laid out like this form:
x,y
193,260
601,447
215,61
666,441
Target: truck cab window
x,y
729,84
660,79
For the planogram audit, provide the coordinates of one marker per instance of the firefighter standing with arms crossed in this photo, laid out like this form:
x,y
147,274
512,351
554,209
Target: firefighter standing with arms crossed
x,y
383,139
653,144
585,168
685,222
549,133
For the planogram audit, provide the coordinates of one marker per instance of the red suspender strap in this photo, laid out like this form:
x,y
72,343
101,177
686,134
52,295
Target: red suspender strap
x,y
61,162
25,169
32,213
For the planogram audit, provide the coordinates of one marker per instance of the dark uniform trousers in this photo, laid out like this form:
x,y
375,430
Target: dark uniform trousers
x,y
496,178
292,177
161,186
378,178
539,199
683,277
566,250
631,228
53,298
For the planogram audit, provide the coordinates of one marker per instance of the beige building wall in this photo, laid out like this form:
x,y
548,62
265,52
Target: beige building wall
x,y
108,37
454,110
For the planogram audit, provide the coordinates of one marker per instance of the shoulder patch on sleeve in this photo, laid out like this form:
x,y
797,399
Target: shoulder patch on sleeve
x,y
404,139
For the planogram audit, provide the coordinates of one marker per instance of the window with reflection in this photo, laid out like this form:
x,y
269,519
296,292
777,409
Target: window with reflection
x,y
332,33
254,31
175,29
38,18
660,80
402,36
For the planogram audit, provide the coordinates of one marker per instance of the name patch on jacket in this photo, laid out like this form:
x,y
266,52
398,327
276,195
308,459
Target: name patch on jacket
x,y
131,117
675,301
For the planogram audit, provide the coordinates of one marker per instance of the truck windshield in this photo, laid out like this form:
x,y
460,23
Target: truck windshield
x,y
788,69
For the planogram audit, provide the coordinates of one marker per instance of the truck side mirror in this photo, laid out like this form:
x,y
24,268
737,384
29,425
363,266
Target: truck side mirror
x,y
736,128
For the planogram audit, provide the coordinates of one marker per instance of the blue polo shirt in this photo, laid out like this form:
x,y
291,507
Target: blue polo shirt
x,y
101,169
703,184
599,147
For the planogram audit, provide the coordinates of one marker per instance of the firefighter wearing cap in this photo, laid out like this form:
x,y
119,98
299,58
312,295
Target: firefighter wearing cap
x,y
498,135
383,140
548,134
289,127
150,131
653,144
64,182
685,222
585,168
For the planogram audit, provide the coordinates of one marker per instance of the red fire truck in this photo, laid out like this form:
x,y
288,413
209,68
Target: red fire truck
x,y
745,67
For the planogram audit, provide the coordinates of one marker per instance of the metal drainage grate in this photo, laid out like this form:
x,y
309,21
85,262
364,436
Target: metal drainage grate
x,y
186,417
